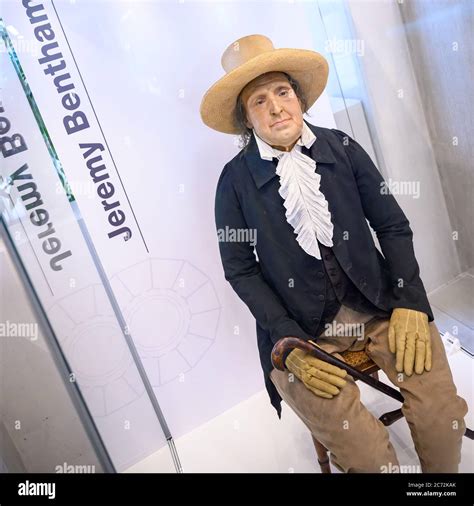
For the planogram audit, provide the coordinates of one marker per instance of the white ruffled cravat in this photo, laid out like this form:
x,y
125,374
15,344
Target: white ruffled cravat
x,y
306,207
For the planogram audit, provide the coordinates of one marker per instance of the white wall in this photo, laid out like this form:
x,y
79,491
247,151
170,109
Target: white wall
x,y
403,136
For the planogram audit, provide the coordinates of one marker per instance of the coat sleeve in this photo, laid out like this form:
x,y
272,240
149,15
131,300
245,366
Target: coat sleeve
x,y
242,270
391,227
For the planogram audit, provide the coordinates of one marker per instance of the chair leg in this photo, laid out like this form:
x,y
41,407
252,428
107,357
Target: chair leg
x,y
323,456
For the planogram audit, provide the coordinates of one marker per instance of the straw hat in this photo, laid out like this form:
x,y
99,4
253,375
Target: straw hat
x,y
249,57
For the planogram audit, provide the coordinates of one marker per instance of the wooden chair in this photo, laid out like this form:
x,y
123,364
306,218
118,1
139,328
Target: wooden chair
x,y
362,362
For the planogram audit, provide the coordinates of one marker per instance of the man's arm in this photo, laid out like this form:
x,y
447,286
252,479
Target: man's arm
x,y
243,271
392,228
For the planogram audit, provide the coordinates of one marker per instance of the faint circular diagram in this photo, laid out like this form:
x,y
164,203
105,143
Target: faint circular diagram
x,y
172,311
172,314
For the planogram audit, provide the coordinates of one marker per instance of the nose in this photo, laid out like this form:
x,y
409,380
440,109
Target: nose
x,y
275,107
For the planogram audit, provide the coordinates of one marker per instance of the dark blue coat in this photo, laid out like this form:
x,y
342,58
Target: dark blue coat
x,y
284,288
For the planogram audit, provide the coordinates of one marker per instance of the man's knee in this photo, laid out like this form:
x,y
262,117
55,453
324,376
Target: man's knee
x,y
367,452
438,416
374,459
434,396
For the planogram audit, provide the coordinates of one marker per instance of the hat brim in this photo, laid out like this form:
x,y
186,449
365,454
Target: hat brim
x,y
309,68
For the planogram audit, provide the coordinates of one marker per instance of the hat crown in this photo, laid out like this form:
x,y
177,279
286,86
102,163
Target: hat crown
x,y
244,49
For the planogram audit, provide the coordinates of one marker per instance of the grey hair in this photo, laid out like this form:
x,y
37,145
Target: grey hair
x,y
240,117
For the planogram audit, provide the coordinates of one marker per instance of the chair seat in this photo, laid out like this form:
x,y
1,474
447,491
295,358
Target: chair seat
x,y
360,360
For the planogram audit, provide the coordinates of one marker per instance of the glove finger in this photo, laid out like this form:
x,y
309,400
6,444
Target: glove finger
x,y
323,385
420,355
320,384
320,393
294,367
333,370
409,357
428,353
427,333
329,378
299,363
400,337
322,365
391,338
296,362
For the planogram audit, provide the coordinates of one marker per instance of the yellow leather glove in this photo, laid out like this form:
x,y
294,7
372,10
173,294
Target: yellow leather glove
x,y
409,337
323,379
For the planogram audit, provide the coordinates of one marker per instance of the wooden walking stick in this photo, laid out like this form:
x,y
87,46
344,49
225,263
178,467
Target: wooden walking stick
x,y
285,346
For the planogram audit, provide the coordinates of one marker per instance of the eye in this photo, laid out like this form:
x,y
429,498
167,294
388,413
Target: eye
x,y
259,101
284,91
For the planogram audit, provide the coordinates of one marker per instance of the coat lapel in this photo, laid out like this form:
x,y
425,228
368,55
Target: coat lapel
x,y
263,171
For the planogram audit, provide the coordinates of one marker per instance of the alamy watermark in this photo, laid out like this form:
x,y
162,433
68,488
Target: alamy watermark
x,y
22,45
74,468
411,188
229,234
34,488
11,329
345,46
404,468
85,188
344,329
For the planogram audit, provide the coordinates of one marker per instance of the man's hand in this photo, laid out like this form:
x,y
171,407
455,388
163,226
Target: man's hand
x,y
409,337
323,379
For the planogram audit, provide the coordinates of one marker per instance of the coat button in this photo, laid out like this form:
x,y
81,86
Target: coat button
x,y
320,274
315,319
321,297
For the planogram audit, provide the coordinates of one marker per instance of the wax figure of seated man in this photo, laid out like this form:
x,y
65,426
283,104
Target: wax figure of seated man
x,y
327,399
308,192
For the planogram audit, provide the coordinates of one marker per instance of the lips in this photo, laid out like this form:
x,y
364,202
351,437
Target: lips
x,y
281,122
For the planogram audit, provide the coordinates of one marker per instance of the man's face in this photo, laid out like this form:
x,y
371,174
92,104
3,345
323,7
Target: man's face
x,y
273,110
